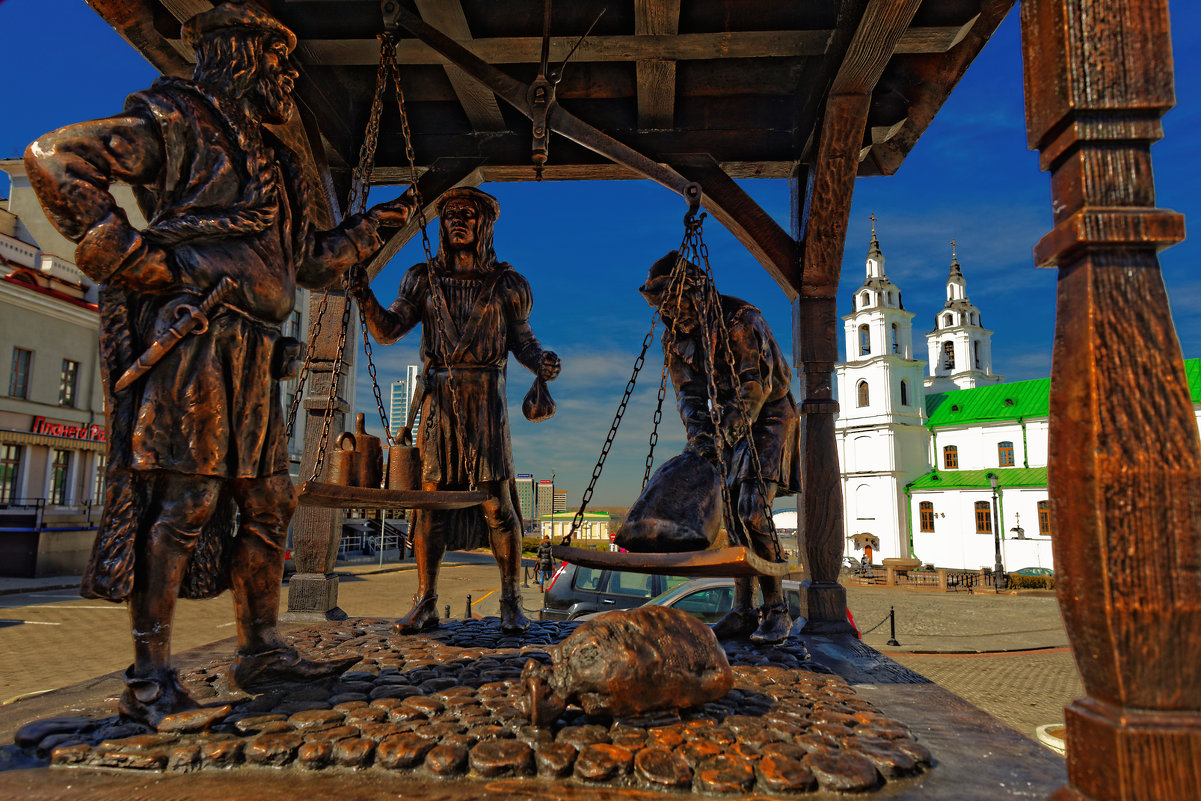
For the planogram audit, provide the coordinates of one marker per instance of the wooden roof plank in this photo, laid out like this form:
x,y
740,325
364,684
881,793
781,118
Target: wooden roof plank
x,y
478,102
875,40
656,77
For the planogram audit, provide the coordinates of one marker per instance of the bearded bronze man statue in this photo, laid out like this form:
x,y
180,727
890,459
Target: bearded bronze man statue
x,y
755,404
473,310
195,421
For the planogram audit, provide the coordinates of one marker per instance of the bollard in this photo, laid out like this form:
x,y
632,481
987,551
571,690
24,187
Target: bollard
x,y
892,626
467,614
448,611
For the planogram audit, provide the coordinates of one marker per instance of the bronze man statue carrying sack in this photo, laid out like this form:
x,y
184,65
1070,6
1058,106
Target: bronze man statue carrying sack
x,y
196,430
473,310
681,507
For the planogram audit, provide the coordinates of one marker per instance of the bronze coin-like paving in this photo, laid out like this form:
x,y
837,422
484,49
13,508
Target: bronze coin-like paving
x,y
444,704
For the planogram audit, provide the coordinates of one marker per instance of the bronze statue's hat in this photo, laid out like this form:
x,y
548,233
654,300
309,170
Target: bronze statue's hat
x,y
470,193
235,14
660,277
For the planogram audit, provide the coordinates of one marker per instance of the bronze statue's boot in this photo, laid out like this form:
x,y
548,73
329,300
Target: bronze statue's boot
x,y
148,699
512,618
775,624
281,666
423,615
736,625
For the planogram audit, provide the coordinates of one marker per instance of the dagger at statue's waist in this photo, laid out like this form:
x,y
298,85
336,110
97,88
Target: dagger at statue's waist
x,y
191,319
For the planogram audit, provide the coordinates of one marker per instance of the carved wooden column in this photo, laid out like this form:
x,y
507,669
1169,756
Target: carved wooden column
x,y
316,532
822,205
1124,462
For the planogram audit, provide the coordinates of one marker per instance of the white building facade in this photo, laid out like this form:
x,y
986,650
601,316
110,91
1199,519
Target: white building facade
x,y
919,449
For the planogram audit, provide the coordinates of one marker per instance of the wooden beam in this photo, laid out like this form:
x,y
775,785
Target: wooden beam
x,y
1124,462
881,27
134,21
767,241
656,77
477,101
445,174
680,47
608,171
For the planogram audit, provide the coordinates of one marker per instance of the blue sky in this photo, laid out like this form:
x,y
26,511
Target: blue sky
x,y
585,247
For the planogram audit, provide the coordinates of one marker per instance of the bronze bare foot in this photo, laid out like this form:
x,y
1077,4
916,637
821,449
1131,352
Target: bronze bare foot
x,y
774,626
736,625
148,699
281,665
512,618
423,615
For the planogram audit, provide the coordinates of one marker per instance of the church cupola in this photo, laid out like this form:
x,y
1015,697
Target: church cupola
x,y
960,348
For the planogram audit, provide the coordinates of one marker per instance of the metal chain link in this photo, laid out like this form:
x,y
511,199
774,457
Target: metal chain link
x,y
654,438
621,410
723,337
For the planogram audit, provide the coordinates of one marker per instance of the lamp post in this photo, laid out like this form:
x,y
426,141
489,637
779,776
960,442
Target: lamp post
x,y
999,569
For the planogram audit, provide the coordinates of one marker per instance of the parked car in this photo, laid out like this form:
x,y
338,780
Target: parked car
x,y
851,563
574,591
709,599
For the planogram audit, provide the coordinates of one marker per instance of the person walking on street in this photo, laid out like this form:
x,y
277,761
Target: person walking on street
x,y
867,560
545,562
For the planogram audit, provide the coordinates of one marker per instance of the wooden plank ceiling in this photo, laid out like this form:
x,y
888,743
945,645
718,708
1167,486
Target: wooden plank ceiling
x,y
740,87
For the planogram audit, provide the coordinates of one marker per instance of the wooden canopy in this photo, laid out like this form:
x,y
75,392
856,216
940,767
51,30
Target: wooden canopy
x,y
713,89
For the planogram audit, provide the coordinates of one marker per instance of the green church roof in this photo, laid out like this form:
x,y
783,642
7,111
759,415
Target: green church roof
x,y
978,479
1018,399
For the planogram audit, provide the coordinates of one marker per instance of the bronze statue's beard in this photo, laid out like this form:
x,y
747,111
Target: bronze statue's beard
x,y
274,99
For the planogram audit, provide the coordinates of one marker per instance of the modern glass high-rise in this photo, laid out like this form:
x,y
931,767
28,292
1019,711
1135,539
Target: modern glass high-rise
x,y
545,499
402,396
525,495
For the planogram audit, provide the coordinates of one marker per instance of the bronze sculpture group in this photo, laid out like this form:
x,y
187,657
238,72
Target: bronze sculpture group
x,y
196,430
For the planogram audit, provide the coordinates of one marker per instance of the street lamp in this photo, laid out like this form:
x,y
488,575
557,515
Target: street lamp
x,y
999,568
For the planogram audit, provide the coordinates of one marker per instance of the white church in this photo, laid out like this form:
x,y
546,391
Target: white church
x,y
919,448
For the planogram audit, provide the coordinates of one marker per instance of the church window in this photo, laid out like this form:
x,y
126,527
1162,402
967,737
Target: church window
x,y
863,394
950,458
1005,454
904,393
976,352
865,340
926,515
948,320
896,343
983,517
890,297
948,355
864,299
1044,518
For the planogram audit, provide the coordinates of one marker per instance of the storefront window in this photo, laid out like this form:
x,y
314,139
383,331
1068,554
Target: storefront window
x,y
10,465
58,477
98,486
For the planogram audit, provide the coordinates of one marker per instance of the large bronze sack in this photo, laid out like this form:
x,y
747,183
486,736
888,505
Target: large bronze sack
x,y
680,509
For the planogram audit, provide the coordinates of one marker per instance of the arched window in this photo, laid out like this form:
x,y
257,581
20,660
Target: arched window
x,y
904,392
948,320
1044,518
890,297
948,355
865,340
896,342
1005,454
864,398
976,352
950,458
983,517
926,516
864,299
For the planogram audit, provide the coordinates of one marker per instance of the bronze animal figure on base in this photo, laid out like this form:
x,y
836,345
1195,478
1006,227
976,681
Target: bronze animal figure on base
x,y
473,310
200,434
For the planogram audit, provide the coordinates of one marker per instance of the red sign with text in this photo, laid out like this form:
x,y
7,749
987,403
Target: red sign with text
x,y
89,433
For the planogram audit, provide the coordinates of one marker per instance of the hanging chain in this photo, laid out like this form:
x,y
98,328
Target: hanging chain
x,y
654,438
621,410
723,337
